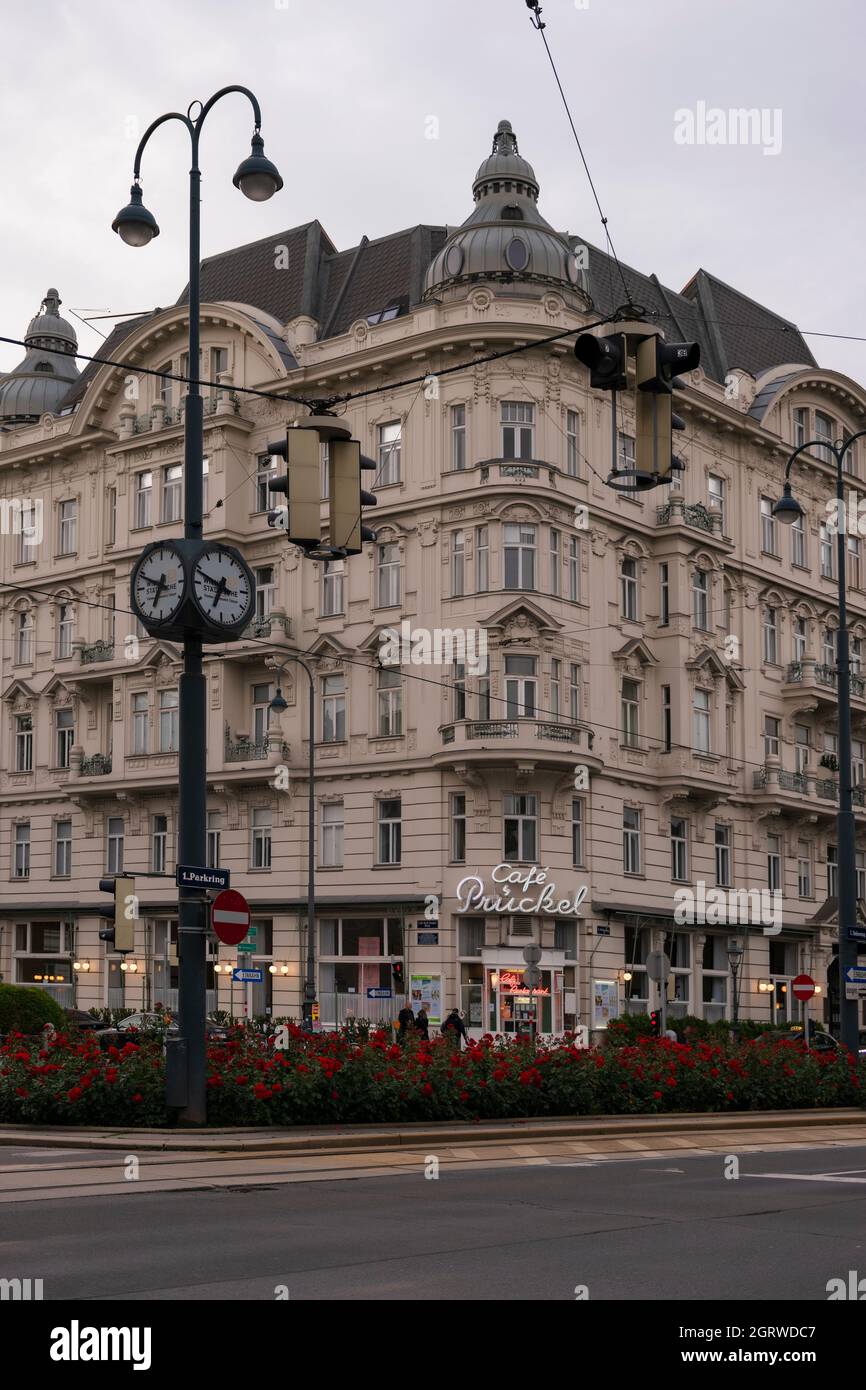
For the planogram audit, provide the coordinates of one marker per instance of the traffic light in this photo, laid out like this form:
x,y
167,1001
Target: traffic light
x,y
397,974
607,359
301,486
123,913
656,1023
656,366
346,497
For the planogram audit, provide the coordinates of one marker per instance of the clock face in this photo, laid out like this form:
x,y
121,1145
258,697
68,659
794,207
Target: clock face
x,y
159,583
222,587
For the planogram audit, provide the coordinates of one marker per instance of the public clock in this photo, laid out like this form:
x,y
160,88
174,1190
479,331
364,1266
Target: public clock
x,y
158,585
223,588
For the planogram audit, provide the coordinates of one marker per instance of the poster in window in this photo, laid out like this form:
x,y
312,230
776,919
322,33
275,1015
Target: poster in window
x,y
605,1002
427,990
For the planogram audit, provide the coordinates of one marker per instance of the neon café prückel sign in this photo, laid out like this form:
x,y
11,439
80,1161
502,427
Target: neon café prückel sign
x,y
472,897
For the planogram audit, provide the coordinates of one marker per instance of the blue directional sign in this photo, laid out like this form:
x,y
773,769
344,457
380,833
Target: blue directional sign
x,y
856,933
249,977
856,975
193,876
378,994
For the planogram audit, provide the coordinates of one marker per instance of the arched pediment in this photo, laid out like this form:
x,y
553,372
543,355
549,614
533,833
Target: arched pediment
x,y
521,618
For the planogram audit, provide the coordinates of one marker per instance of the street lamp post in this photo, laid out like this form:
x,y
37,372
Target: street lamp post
x,y
257,179
278,704
788,509
735,960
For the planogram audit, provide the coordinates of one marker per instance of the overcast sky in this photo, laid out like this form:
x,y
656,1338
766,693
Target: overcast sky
x,y
347,91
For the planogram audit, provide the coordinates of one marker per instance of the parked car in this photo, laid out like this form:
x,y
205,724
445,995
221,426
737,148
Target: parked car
x,y
819,1041
79,1018
156,1022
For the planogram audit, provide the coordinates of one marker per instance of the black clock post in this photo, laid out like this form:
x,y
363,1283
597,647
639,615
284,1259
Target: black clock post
x,y
258,179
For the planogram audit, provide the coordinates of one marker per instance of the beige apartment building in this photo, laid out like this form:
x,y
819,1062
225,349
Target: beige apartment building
x,y
653,724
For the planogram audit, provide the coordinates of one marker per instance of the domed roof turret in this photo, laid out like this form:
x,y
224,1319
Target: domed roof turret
x,y
505,237
37,386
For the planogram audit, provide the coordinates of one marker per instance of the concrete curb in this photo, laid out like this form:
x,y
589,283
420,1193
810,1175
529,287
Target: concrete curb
x,y
333,1140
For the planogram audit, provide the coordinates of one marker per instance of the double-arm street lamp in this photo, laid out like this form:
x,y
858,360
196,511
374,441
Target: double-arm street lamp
x,y
258,179
788,510
278,704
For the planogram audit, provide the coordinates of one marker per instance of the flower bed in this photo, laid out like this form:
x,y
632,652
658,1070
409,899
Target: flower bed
x,y
330,1078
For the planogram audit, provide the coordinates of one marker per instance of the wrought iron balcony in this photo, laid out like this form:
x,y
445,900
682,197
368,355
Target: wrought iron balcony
x,y
97,766
800,672
96,651
470,730
246,750
264,627
693,514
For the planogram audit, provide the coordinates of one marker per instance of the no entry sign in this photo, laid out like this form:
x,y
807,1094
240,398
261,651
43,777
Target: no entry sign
x,y
803,985
230,916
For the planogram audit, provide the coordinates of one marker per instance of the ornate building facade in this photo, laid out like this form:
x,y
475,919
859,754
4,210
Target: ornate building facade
x,y
640,725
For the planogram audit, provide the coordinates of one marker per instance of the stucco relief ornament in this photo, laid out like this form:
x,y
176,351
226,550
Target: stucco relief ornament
x,y
480,300
360,331
750,596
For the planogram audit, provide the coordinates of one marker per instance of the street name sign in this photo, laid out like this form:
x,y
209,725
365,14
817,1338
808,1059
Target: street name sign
x,y
195,876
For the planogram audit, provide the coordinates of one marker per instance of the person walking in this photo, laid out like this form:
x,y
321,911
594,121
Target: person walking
x,y
406,1022
454,1029
422,1024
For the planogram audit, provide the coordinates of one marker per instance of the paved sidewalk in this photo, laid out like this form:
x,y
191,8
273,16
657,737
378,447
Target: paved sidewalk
x,y
338,1139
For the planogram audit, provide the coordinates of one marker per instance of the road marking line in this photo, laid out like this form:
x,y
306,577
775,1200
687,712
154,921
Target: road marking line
x,y
804,1177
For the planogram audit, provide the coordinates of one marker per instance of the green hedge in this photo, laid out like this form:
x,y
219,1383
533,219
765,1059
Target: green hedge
x,y
24,1009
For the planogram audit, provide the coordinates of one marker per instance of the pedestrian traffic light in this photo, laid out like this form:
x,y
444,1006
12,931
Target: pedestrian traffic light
x,y
301,486
397,973
607,359
123,913
656,1023
346,497
657,363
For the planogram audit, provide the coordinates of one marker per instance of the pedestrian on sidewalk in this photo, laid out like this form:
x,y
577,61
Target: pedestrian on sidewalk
x,y
422,1024
454,1029
406,1021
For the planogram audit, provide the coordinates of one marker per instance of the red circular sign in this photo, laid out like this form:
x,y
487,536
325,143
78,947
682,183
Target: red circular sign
x,y
230,916
803,987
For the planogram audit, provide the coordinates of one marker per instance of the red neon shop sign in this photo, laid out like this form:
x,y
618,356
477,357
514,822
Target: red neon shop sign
x,y
512,982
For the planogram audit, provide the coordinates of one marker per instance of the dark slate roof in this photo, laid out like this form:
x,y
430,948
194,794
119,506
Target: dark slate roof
x,y
276,274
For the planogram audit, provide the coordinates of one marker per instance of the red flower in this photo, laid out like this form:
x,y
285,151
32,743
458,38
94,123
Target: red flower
x,y
75,1094
260,1091
427,1088
657,1095
137,1098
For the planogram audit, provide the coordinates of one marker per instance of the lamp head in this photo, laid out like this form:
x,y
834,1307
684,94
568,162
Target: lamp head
x,y
787,509
279,702
134,224
257,177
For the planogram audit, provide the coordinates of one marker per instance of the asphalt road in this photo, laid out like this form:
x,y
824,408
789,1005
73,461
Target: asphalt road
x,y
668,1227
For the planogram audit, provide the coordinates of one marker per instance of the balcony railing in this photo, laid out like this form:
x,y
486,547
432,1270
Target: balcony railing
x,y
246,750
263,627
822,674
693,514
97,651
472,729
97,766
806,784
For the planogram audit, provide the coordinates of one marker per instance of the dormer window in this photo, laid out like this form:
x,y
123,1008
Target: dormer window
x,y
511,213
384,314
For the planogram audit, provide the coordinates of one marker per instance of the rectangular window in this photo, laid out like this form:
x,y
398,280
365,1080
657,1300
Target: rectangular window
x,y
333,588
266,590
798,542
62,848
519,545
772,731
23,743
458,685
169,721
768,526
24,637
482,559
167,384
802,740
21,859
828,647
625,460
214,838
555,561
114,845
520,687
804,869
143,496
774,862
333,709
828,563
518,423
664,594
701,721
110,515
832,872
770,628
631,836
260,848
679,849
701,600
556,688
262,694
458,564
574,692
573,569
390,831
458,827
388,575
389,703
390,440
798,637
824,429
140,739
65,727
65,629
860,873
332,834
854,575
630,713
172,492
158,844
628,589
723,856
458,438
219,363
801,426
716,496
68,524
577,833
571,442
520,812
266,472
667,722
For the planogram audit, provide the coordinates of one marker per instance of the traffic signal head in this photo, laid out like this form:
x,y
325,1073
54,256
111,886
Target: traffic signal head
x,y
346,497
656,1023
301,486
397,972
658,363
123,913
607,359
